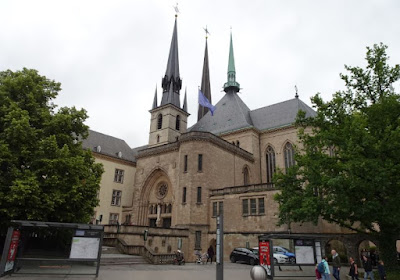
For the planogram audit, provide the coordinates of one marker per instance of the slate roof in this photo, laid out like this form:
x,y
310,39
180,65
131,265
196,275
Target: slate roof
x,y
110,146
233,114
280,114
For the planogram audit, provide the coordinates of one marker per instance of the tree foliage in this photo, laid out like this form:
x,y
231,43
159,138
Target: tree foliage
x,y
348,166
45,174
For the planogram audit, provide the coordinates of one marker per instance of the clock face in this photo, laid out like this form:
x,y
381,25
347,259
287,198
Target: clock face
x,y
162,190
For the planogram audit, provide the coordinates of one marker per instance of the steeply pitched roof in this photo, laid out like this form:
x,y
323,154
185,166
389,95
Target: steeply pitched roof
x,y
280,114
109,146
231,114
205,85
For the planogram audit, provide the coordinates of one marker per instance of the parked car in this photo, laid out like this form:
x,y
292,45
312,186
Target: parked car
x,y
278,258
244,255
286,252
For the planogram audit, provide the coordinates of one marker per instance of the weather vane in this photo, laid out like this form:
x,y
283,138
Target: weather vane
x,y
297,95
176,9
206,30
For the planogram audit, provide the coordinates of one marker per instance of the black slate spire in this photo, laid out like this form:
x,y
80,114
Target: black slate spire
x,y
205,84
171,83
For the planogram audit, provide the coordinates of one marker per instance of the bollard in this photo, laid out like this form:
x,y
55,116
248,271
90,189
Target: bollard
x,y
258,273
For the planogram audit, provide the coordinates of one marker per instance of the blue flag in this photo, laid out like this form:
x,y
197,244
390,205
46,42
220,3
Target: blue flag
x,y
203,101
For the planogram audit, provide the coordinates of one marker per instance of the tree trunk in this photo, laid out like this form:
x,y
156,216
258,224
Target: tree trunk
x,y
387,246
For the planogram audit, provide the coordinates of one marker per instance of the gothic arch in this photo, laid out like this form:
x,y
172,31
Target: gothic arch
x,y
246,175
156,192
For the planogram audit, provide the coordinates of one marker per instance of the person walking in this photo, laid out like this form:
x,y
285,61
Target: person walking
x,y
336,263
367,264
381,270
353,269
326,275
210,253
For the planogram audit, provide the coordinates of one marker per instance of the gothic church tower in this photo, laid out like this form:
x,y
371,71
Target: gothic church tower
x,y
169,120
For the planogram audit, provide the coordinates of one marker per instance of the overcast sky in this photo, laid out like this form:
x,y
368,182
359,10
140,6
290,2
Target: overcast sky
x,y
110,55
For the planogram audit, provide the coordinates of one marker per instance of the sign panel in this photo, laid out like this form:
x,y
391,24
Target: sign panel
x,y
12,252
84,248
265,256
304,250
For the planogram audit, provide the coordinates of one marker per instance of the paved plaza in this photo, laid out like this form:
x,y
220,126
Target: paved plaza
x,y
169,272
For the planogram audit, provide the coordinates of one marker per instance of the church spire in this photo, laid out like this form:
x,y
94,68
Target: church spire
x,y
171,83
205,84
155,100
185,107
231,84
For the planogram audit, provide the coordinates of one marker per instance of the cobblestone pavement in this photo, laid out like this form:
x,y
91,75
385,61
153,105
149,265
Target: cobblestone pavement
x,y
169,272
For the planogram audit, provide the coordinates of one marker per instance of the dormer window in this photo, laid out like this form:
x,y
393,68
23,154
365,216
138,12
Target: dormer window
x,y
98,149
119,154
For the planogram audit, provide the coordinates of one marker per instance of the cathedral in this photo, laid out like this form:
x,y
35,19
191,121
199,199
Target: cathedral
x,y
175,186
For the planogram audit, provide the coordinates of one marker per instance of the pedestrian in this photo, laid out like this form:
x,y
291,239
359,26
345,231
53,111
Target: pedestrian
x,y
210,253
353,269
336,263
326,275
367,267
317,273
381,270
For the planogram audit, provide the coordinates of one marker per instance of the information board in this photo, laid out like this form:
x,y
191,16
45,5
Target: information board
x,y
304,250
84,248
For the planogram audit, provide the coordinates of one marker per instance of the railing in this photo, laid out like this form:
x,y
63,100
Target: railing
x,y
243,189
141,250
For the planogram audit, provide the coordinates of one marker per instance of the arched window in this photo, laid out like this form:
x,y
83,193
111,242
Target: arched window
x,y
178,122
151,209
289,155
159,121
270,160
169,208
245,176
158,138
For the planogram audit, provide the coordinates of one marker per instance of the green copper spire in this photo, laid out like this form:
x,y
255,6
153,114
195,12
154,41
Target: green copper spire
x,y
231,84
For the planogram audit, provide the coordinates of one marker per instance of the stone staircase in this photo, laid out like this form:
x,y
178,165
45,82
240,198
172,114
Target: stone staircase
x,y
111,256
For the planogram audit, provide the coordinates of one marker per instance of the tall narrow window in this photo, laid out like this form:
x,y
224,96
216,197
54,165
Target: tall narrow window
x,y
159,121
198,194
200,163
220,208
184,195
245,176
119,176
158,138
270,158
116,198
178,122
215,209
185,163
253,206
261,207
197,242
245,207
289,156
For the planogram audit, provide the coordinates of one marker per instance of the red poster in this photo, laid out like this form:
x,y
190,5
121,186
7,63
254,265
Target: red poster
x,y
12,252
264,254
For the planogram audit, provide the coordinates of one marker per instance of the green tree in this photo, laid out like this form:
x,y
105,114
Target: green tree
x,y
45,174
348,159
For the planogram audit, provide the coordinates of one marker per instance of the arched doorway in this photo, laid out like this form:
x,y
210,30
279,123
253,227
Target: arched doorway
x,y
156,200
369,249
